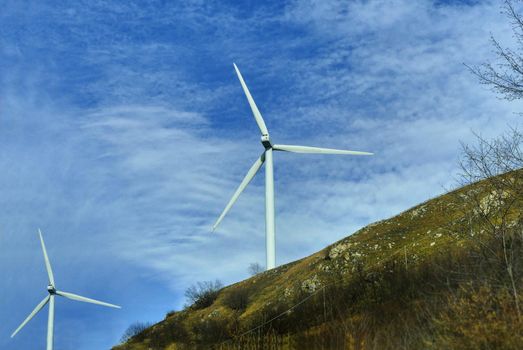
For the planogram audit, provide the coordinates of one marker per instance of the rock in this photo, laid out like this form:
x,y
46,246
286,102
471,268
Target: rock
x,y
418,211
311,285
338,249
493,200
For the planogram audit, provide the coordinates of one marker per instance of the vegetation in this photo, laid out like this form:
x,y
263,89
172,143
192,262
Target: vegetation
x,y
203,294
255,268
135,329
480,317
237,299
506,76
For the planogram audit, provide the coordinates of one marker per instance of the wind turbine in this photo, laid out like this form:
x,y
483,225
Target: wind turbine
x,y
266,158
53,292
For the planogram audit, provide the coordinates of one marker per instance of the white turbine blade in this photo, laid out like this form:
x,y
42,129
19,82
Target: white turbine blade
x,y
306,149
85,300
46,258
32,314
254,108
250,175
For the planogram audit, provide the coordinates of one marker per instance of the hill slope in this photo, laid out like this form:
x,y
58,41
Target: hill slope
x,y
397,283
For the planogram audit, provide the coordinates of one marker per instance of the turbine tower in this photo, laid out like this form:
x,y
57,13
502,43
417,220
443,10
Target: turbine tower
x,y
53,292
266,158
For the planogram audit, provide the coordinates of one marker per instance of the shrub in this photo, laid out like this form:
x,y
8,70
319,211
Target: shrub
x,y
238,298
170,313
203,294
134,330
211,330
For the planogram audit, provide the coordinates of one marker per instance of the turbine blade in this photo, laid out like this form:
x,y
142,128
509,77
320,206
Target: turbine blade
x,y
250,175
254,108
306,149
84,299
32,314
46,258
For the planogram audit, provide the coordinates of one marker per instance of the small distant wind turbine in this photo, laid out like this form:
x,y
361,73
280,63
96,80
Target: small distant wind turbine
x,y
269,177
50,299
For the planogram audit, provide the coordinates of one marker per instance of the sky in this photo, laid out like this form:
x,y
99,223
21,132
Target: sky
x,y
124,132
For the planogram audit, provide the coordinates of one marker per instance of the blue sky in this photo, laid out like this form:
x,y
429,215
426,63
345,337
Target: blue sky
x,y
124,132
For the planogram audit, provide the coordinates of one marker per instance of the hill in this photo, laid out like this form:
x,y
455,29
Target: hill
x,y
436,276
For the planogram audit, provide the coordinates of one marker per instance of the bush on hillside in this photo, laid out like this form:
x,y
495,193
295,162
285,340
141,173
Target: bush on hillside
x,y
238,298
203,294
134,330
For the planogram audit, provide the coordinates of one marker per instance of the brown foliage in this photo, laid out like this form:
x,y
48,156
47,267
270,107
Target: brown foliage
x,y
237,299
479,318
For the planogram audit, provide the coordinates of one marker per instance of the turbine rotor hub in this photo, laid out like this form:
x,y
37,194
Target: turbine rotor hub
x,y
51,289
266,142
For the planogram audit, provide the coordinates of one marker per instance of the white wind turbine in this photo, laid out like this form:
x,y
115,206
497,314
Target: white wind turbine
x,y
50,299
266,158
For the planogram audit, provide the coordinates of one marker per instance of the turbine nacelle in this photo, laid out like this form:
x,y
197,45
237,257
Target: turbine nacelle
x,y
51,289
266,142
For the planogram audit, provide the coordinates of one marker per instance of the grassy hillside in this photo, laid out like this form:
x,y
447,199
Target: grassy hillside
x,y
432,277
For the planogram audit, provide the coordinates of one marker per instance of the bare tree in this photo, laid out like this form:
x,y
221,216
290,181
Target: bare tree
x,y
495,203
506,75
495,218
255,268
